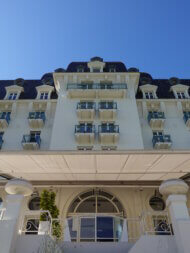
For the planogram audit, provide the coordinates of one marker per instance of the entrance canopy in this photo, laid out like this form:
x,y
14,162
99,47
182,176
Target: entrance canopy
x,y
75,167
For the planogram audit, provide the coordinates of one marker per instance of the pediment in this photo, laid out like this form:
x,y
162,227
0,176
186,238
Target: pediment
x,y
148,87
179,87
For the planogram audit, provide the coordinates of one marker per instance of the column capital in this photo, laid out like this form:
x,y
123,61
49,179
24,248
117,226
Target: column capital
x,y
173,186
19,187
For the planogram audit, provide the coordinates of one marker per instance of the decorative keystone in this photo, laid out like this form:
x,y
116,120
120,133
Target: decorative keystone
x,y
19,186
173,186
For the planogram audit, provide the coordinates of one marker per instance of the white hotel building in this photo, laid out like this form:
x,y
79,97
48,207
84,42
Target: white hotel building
x,y
112,143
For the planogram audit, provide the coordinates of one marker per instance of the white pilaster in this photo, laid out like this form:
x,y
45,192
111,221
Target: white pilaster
x,y
176,191
17,190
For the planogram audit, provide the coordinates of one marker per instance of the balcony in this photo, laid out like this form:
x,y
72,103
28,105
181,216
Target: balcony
x,y
186,118
92,91
36,119
4,119
108,134
156,120
106,90
161,141
107,111
86,90
31,142
86,111
1,141
85,134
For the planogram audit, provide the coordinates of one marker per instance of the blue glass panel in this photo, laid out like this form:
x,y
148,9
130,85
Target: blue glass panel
x,y
104,228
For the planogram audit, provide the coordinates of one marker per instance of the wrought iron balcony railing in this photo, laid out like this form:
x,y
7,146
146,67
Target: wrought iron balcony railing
x,y
161,139
86,105
155,115
84,128
29,138
37,115
110,128
186,116
107,105
106,86
5,116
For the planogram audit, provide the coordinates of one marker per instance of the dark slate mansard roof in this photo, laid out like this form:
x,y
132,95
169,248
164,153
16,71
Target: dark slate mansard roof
x,y
119,66
29,86
164,86
163,91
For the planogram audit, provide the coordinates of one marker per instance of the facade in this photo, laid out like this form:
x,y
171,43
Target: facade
x,y
103,138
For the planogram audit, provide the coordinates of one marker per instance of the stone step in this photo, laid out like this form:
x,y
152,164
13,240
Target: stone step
x,y
96,247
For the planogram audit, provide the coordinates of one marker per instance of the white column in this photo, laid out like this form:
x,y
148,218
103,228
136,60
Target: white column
x,y
17,190
176,191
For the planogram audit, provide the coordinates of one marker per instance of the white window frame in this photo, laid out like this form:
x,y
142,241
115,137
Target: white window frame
x,y
149,95
181,95
12,96
44,95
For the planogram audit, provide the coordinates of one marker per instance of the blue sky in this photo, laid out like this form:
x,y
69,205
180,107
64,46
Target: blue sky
x,y
41,35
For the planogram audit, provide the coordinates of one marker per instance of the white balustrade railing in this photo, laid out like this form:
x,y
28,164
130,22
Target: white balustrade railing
x,y
91,228
31,221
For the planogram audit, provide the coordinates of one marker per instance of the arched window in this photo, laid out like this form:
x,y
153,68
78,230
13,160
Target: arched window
x,y
34,203
96,201
157,203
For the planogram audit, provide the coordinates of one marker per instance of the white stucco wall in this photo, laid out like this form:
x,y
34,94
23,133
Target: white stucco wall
x,y
19,126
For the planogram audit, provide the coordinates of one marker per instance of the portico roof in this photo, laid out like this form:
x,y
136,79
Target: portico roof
x,y
115,166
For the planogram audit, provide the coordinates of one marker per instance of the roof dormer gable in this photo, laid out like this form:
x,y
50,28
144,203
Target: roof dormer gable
x,y
180,87
180,91
13,89
149,91
148,87
44,89
96,64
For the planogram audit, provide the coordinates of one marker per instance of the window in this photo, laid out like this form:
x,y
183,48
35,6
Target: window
x,y
96,201
107,105
96,70
34,203
12,96
157,203
181,95
44,95
84,128
34,136
157,133
149,95
80,69
5,115
112,69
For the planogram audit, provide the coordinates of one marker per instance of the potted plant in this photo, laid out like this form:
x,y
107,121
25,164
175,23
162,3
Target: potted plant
x,y
47,203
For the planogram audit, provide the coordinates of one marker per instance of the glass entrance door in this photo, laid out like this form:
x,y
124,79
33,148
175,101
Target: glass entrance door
x,y
105,229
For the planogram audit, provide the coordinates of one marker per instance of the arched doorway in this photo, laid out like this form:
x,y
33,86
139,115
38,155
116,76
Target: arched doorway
x,y
94,216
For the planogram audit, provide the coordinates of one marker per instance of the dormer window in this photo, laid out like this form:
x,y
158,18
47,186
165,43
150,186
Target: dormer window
x,y
112,69
80,69
44,95
149,95
181,95
96,65
149,91
180,91
44,91
96,70
13,92
12,96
